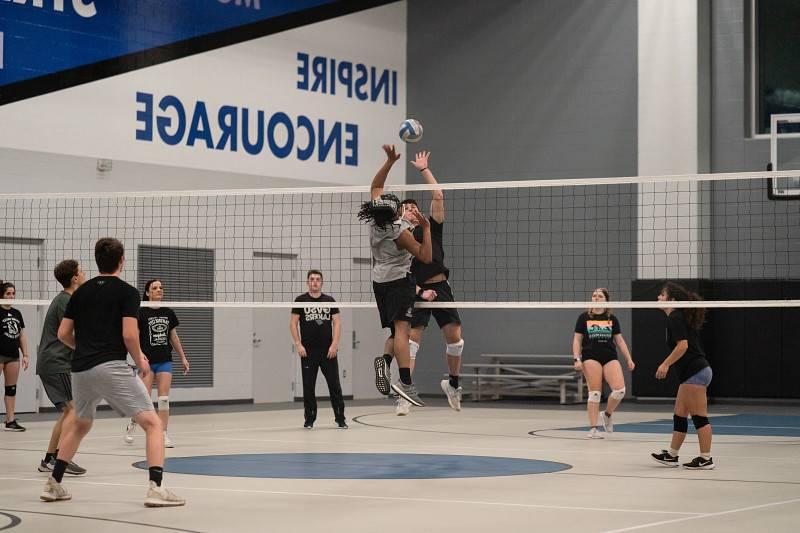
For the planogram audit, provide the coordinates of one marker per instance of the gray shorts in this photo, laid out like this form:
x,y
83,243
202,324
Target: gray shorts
x,y
703,378
115,382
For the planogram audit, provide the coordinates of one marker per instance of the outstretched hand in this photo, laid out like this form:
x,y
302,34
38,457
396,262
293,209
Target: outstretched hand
x,y
421,219
420,162
391,153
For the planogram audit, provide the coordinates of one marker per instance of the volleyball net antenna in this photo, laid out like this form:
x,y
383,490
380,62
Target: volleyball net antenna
x,y
527,244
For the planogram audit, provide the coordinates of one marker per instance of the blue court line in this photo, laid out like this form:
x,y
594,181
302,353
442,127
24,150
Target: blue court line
x,y
747,425
356,466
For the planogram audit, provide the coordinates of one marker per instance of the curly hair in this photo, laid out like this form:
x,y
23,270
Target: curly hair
x,y
695,316
381,211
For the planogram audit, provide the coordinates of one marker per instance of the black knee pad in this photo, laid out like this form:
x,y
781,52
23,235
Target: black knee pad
x,y
699,421
11,390
680,423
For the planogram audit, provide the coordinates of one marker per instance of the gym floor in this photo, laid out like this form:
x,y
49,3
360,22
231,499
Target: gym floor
x,y
491,467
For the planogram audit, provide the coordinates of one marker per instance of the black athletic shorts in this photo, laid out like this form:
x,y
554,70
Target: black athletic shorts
x,y
602,359
395,300
58,388
444,293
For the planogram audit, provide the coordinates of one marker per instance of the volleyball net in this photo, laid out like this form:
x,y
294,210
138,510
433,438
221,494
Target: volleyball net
x,y
537,243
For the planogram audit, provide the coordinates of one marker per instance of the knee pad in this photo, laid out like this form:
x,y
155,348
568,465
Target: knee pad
x,y
594,396
618,394
413,348
699,421
11,390
680,423
455,349
163,403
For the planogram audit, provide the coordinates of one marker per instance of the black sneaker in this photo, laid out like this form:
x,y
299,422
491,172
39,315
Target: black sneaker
x,y
698,463
46,466
74,469
383,376
14,426
665,458
308,424
342,424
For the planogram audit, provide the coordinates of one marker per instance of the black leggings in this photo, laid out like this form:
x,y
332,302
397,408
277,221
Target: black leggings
x,y
314,361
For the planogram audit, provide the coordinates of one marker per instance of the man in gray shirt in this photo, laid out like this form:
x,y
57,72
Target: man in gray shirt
x,y
392,249
54,359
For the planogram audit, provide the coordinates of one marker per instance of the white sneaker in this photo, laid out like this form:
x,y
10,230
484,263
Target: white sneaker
x,y
403,407
54,492
161,497
129,430
608,425
594,434
453,395
167,441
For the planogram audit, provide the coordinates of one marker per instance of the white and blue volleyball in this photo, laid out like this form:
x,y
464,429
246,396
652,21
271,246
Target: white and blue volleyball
x,y
411,130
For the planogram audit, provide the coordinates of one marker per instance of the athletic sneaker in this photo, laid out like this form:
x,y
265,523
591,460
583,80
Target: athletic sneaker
x,y
409,392
161,497
698,463
53,491
342,424
168,441
308,424
608,425
665,458
72,468
594,434
383,375
129,430
403,407
453,394
14,426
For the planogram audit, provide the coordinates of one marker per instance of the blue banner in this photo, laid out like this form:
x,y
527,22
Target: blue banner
x,y
41,37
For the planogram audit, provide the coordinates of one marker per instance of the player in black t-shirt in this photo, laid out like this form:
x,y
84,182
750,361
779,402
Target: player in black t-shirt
x,y
594,348
432,286
100,325
12,341
694,372
158,335
317,342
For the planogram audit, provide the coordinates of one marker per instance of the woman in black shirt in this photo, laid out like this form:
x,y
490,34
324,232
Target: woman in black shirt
x,y
694,372
12,340
593,348
158,336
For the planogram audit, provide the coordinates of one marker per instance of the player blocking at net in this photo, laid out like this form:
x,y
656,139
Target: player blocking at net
x,y
393,248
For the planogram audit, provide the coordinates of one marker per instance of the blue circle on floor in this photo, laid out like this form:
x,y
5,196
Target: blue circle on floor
x,y
356,466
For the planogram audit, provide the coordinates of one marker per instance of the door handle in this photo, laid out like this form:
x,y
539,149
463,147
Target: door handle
x,y
356,342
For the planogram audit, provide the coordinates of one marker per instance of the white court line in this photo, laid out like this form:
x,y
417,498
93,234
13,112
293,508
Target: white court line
x,y
705,515
373,497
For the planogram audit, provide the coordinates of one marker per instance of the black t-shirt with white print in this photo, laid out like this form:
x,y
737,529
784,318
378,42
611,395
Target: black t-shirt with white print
x,y
694,359
11,326
97,308
598,335
155,326
316,327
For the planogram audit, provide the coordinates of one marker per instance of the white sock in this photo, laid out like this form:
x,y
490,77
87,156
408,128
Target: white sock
x,y
673,452
705,456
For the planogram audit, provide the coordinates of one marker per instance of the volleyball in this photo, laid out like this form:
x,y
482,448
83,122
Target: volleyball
x,y
411,130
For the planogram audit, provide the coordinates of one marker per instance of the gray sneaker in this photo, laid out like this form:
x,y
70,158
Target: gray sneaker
x,y
54,491
409,392
73,469
453,394
383,375
162,497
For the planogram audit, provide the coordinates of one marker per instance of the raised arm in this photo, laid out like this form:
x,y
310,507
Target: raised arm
x,y
376,188
420,162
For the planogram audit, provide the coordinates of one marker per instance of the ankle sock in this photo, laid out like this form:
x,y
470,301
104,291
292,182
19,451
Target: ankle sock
x,y
59,469
156,474
405,376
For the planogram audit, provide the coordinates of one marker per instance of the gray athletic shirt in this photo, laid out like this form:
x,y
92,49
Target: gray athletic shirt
x,y
390,262
54,357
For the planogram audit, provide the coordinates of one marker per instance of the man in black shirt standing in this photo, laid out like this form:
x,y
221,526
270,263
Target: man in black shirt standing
x,y
317,342
100,325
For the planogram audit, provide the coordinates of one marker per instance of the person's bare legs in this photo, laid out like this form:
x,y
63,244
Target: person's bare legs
x,y
593,372
163,384
612,372
154,437
11,371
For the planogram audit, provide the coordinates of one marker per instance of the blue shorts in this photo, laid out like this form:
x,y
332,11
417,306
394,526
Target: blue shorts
x,y
701,378
157,368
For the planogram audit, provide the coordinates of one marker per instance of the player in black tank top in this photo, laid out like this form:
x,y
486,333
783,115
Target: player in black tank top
x,y
694,372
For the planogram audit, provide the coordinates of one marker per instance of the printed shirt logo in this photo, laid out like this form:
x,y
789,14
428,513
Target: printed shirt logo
x,y
11,327
317,314
599,330
158,328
